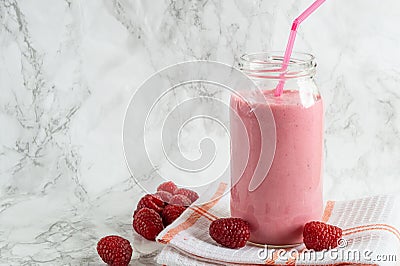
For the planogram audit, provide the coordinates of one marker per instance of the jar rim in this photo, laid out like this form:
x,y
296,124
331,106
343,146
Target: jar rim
x,y
269,64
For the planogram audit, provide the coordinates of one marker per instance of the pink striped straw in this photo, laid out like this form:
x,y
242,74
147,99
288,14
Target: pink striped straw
x,y
292,37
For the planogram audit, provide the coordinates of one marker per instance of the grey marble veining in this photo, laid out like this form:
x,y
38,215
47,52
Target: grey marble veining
x,y
68,69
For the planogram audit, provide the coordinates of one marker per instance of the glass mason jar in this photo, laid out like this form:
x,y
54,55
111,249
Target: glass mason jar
x,y
290,193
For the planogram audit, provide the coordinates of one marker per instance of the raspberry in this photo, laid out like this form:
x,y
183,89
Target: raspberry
x,y
180,200
147,223
167,186
171,213
114,250
319,236
192,195
164,195
151,202
230,232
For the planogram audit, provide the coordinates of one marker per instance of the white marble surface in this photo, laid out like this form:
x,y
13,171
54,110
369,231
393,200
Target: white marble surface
x,y
68,68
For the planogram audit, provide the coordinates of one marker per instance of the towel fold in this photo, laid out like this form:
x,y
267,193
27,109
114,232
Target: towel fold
x,y
370,236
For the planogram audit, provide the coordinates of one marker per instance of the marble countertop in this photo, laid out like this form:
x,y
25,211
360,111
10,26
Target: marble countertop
x,y
67,72
49,230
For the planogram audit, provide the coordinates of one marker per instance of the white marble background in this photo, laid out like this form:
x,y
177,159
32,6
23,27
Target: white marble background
x,y
68,69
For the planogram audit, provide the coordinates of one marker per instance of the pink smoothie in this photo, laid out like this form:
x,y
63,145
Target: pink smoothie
x,y
291,193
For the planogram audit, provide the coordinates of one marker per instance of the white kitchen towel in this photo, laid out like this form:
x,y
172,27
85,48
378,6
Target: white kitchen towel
x,y
370,236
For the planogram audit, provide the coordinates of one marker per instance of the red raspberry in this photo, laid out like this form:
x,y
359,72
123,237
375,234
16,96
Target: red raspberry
x,y
230,232
114,250
319,236
171,213
167,186
164,195
192,195
151,202
147,223
180,200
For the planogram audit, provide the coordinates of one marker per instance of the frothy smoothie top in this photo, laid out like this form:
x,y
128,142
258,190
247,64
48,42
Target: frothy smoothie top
x,y
288,98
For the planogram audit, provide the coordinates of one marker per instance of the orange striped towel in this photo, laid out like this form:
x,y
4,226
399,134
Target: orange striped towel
x,y
370,237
